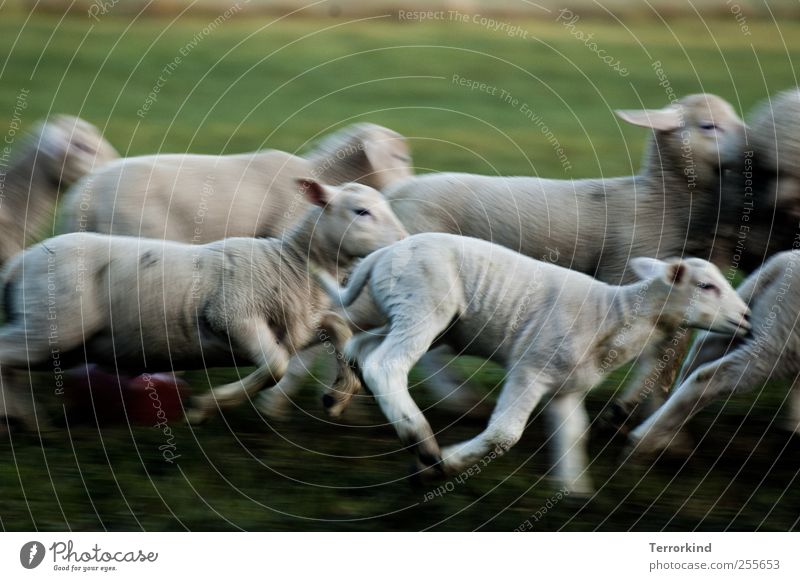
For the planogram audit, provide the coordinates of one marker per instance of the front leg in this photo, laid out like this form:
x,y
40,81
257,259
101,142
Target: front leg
x,y
334,336
654,374
737,371
255,340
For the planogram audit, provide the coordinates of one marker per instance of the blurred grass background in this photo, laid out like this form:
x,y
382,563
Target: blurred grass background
x,y
260,81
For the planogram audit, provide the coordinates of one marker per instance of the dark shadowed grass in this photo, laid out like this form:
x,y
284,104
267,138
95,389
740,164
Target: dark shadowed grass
x,y
250,84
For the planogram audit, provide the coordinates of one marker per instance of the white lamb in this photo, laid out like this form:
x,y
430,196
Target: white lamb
x,y
150,305
556,330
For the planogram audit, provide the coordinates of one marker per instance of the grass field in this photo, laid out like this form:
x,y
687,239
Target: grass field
x,y
251,83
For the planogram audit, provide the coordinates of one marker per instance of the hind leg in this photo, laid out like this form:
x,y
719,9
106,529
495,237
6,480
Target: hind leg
x,y
337,397
257,341
276,403
385,371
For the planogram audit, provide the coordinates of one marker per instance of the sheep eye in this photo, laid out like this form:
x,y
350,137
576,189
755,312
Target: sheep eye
x,y
706,286
362,212
708,127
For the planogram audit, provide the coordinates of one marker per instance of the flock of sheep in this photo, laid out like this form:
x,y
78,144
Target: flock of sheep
x,y
178,262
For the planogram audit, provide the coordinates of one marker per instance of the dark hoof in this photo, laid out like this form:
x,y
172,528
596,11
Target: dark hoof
x,y
616,418
421,475
430,460
197,412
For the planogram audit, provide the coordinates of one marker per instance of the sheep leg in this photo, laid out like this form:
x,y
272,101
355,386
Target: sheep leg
x,y
18,350
16,404
735,372
336,400
569,426
647,391
521,393
385,371
276,403
707,347
259,343
649,376
347,383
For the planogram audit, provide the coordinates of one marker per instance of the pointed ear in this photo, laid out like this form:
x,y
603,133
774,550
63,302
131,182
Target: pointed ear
x,y
648,268
676,272
666,119
314,191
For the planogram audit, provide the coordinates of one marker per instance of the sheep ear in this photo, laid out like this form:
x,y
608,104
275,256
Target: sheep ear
x,y
666,119
314,191
648,268
676,272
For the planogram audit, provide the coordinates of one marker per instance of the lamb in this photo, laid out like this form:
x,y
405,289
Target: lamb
x,y
203,198
556,330
595,226
178,306
53,156
718,367
761,200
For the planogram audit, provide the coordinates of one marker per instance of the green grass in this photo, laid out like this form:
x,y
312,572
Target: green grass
x,y
249,85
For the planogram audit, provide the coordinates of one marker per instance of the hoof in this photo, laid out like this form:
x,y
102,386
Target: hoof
x,y
197,412
333,407
421,475
431,460
580,491
328,401
616,418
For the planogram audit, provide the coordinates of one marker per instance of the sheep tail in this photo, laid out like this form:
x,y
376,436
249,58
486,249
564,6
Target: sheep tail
x,y
344,297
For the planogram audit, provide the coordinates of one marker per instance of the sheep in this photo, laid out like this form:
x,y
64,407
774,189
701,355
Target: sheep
x,y
202,198
761,200
595,226
557,331
55,154
718,366
178,306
